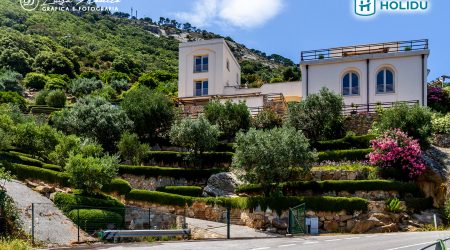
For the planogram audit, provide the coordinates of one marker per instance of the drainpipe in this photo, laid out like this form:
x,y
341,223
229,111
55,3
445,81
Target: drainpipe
x,y
367,85
423,80
307,81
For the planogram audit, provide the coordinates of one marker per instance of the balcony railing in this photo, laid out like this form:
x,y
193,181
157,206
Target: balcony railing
x,y
375,48
373,107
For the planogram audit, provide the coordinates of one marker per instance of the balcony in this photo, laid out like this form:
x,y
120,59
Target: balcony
x,y
375,48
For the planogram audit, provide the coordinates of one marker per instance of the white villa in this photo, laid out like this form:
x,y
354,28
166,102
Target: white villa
x,y
366,76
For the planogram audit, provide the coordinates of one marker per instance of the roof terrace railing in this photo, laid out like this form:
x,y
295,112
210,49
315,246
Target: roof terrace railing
x,y
375,48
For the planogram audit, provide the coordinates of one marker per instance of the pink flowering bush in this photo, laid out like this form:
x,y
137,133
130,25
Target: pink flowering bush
x,y
395,150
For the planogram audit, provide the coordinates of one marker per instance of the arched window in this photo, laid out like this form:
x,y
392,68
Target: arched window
x,y
350,84
385,81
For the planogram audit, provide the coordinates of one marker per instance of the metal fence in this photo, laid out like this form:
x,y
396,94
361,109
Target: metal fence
x,y
438,245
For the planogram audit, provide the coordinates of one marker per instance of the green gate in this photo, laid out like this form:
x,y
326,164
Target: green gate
x,y
297,223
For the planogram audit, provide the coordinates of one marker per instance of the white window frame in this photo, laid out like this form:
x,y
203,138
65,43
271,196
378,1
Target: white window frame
x,y
385,81
351,83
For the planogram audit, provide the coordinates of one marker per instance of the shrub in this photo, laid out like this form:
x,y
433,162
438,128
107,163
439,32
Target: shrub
x,y
197,135
55,83
441,124
159,198
266,119
393,205
93,220
348,142
67,202
37,140
73,144
419,204
271,156
151,112
148,80
10,81
177,173
413,120
84,86
23,172
35,81
54,63
225,147
119,85
40,97
319,116
14,244
130,149
89,173
119,186
56,99
395,150
344,155
192,191
230,117
320,187
438,99
95,118
186,159
13,98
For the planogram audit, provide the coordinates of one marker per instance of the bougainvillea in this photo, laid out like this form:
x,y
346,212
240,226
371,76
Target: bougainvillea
x,y
396,150
438,99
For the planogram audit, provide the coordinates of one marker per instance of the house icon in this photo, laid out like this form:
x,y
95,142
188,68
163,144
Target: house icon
x,y
365,7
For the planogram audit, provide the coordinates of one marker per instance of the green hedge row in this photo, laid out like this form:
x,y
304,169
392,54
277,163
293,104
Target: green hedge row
x,y
23,172
320,187
344,155
92,220
347,142
119,186
68,202
186,159
43,110
24,159
189,174
316,203
193,191
419,204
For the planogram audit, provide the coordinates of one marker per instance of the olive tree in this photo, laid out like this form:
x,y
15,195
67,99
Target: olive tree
x,y
319,116
90,174
230,117
131,150
269,157
197,135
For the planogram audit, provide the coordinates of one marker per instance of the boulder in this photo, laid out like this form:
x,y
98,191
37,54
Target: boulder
x,y
385,229
427,217
279,223
385,218
331,226
221,184
363,226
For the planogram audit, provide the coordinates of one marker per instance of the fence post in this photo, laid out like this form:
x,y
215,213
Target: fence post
x,y
184,218
149,219
78,224
228,222
289,231
32,223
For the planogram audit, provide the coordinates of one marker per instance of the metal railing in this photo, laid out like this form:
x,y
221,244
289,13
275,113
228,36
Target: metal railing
x,y
373,107
375,48
438,245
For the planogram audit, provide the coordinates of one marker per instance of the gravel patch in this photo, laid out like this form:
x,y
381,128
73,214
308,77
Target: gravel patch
x,y
52,227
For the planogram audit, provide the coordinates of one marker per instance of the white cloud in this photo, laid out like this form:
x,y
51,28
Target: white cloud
x,y
237,13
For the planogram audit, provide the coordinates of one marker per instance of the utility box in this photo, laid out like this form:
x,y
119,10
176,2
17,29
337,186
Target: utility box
x,y
312,225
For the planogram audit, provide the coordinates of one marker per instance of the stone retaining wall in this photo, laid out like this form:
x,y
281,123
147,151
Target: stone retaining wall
x,y
325,175
152,183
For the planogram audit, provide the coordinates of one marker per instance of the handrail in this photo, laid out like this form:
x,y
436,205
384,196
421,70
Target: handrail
x,y
372,107
440,242
374,48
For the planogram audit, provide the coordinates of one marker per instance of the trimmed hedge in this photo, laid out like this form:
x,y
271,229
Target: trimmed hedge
x,y
316,203
120,186
67,202
193,191
186,159
24,159
43,110
348,142
344,155
23,172
419,204
92,220
149,171
319,187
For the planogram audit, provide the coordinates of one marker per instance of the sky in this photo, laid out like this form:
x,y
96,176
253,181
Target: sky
x,y
287,27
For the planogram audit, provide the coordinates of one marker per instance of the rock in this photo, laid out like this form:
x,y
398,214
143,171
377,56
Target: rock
x,y
221,184
363,226
331,226
427,217
385,229
280,224
42,189
52,196
350,225
31,184
386,219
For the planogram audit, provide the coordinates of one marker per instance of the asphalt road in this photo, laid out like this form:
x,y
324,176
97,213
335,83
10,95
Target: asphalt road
x,y
392,241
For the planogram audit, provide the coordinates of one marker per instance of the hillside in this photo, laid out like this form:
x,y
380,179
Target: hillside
x,y
109,46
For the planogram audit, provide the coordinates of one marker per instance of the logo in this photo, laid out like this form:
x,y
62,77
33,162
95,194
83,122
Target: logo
x,y
29,5
365,7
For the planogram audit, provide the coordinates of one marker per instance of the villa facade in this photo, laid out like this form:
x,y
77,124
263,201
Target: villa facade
x,y
365,75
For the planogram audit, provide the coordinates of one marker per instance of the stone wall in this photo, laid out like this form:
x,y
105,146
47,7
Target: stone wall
x,y
359,123
377,195
149,218
441,140
152,183
325,175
